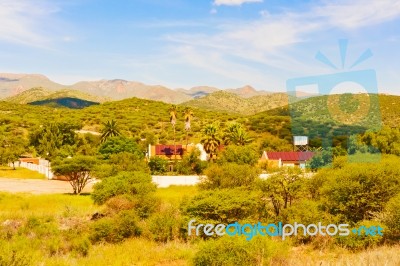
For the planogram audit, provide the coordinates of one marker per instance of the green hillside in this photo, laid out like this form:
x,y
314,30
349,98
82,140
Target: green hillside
x,y
232,103
136,117
146,119
312,117
317,109
31,95
40,94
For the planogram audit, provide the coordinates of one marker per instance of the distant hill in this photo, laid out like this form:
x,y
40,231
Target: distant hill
x,y
134,116
40,94
248,92
233,103
198,92
116,89
13,84
73,103
317,109
121,89
34,94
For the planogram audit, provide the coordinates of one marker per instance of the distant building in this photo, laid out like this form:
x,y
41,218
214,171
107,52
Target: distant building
x,y
291,158
168,152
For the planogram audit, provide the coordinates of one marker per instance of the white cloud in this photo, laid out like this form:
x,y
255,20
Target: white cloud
x,y
358,13
270,40
234,2
25,22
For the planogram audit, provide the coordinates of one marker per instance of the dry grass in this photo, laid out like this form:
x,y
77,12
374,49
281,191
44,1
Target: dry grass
x,y
136,251
20,172
175,194
15,206
381,256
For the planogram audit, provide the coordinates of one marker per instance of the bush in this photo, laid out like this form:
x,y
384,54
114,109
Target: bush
x,y
391,218
229,175
224,206
165,225
237,251
360,241
158,166
81,247
131,183
115,229
240,155
358,190
15,258
191,164
119,203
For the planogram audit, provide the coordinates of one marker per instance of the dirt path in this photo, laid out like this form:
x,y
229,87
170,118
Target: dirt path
x,y
37,186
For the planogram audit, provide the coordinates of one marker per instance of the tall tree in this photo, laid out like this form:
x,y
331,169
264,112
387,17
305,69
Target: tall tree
x,y
211,140
77,170
188,114
110,130
173,112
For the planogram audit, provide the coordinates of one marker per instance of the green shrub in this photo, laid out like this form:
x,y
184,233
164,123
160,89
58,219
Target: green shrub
x,y
131,183
229,175
225,206
117,228
191,164
81,247
244,155
359,241
120,144
14,258
165,224
227,251
358,190
391,218
158,166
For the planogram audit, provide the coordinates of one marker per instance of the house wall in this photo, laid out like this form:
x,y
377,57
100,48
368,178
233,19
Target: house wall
x,y
30,160
171,157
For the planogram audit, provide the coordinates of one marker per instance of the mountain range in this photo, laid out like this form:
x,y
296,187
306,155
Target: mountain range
x,y
117,89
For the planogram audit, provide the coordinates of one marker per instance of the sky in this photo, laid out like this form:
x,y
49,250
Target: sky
x,y
182,43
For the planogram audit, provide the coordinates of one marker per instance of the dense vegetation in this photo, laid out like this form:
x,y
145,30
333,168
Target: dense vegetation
x,y
126,207
229,102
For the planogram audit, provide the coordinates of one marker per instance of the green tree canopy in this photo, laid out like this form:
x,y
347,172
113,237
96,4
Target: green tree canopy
x,y
118,144
77,170
240,155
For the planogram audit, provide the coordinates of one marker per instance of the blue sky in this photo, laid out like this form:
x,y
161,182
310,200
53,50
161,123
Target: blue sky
x,y
182,43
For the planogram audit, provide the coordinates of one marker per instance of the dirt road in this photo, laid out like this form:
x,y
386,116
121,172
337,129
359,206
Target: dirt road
x,y
37,186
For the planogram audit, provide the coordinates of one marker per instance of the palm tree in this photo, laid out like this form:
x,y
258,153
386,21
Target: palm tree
x,y
211,140
172,118
110,130
236,134
188,114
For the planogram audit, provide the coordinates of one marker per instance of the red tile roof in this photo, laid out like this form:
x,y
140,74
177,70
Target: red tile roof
x,y
169,150
290,156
